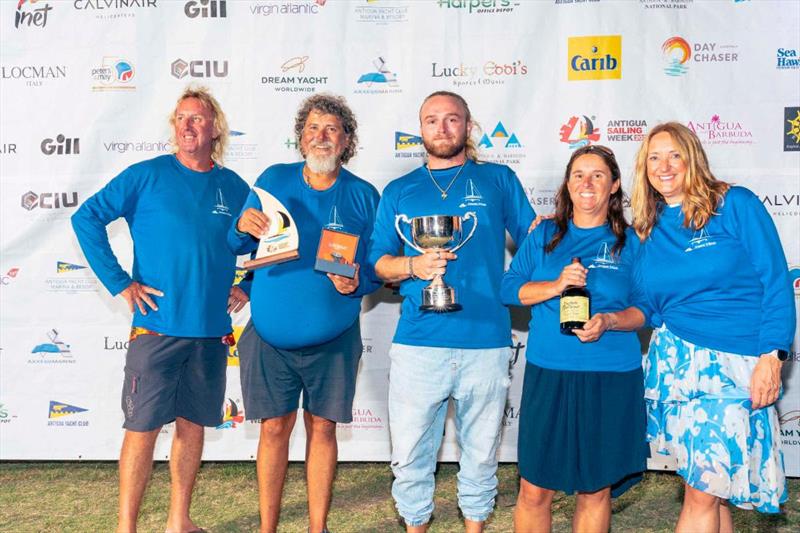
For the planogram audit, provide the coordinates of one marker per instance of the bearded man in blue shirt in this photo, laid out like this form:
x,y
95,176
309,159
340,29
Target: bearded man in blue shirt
x,y
463,354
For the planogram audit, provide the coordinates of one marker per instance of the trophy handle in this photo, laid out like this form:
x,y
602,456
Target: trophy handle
x,y
474,217
404,218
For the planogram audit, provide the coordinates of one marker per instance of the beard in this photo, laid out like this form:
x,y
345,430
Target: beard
x,y
446,151
324,164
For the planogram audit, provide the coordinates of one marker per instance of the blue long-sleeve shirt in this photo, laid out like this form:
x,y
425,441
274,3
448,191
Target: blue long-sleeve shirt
x,y
609,282
293,305
178,220
725,287
495,194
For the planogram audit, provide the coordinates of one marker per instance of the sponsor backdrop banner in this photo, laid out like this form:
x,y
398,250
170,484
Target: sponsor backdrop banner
x,y
88,85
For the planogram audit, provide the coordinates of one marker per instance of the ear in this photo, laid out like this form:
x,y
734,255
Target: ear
x,y
615,185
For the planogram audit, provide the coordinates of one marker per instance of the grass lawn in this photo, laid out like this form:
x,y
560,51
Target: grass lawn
x,y
81,497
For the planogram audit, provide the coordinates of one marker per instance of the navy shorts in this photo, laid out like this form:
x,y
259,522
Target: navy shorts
x,y
273,378
170,377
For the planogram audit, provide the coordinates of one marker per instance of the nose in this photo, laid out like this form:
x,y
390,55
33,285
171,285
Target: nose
x,y
663,164
586,181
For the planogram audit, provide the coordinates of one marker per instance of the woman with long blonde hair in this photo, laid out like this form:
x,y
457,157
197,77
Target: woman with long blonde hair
x,y
713,270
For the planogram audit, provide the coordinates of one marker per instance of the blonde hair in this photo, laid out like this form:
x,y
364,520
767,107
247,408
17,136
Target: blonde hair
x,y
702,192
220,142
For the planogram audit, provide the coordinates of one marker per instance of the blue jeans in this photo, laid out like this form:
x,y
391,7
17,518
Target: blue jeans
x,y
421,380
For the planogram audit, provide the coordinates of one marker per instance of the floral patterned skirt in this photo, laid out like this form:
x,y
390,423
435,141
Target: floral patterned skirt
x,y
699,412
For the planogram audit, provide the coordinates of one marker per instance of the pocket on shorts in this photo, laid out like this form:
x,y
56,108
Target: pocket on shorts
x,y
130,392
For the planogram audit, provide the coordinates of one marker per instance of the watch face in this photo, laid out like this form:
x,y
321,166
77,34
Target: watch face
x,y
783,355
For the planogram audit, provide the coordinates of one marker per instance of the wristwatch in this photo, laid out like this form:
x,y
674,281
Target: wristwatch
x,y
780,355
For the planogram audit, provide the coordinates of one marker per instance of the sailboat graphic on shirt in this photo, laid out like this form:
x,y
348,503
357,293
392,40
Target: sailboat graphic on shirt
x,y
604,259
700,239
220,207
472,196
334,222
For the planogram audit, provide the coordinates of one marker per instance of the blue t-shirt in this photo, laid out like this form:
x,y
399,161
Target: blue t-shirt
x,y
726,286
495,195
610,285
178,219
292,305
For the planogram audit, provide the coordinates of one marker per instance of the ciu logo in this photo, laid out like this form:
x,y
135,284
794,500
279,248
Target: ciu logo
x,y
206,9
61,145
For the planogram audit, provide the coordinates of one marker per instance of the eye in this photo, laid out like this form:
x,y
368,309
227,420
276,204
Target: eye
x,y
676,156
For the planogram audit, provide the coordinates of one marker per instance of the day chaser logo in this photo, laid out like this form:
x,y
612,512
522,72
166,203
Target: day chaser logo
x,y
579,131
597,57
114,73
791,138
206,9
676,53
27,15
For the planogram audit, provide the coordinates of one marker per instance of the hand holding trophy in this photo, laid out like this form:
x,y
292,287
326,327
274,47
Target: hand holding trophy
x,y
437,232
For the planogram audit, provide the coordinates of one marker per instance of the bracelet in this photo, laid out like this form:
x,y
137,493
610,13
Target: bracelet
x,y
614,322
411,268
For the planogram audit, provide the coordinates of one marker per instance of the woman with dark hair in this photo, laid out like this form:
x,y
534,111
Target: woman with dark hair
x,y
582,422
725,318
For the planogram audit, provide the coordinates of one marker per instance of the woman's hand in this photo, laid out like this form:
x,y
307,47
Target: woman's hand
x,y
765,383
573,274
595,327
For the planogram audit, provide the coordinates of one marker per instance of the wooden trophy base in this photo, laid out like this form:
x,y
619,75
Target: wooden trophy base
x,y
282,257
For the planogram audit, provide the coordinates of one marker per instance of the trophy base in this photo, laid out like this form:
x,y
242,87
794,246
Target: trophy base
x,y
439,299
446,308
259,262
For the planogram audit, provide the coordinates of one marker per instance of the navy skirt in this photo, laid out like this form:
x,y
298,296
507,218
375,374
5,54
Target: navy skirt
x,y
582,431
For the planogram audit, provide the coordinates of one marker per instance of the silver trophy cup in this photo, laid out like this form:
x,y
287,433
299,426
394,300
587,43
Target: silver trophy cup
x,y
437,232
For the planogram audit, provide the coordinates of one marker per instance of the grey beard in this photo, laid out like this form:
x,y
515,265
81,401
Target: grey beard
x,y
322,165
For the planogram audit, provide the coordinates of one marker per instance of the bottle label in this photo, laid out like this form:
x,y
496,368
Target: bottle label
x,y
574,309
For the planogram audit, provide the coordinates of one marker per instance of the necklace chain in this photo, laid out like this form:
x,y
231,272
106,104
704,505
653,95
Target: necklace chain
x,y
452,181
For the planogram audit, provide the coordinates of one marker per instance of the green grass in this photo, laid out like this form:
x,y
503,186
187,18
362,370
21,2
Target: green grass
x,y
82,497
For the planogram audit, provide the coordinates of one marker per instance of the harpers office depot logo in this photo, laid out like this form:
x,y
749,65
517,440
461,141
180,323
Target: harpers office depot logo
x,y
596,57
480,7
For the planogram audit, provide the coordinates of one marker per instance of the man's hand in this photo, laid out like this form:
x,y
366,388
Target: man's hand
x,y
431,263
344,284
138,294
765,383
236,299
254,222
594,328
538,220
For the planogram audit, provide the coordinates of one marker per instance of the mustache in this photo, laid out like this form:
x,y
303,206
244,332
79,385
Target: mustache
x,y
320,144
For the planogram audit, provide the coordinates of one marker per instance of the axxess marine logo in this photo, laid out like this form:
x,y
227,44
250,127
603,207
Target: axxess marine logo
x,y
381,80
61,145
480,6
287,7
53,352
232,414
290,79
27,15
49,200
579,131
676,53
60,410
199,68
408,145
596,57
717,131
791,138
206,9
34,75
114,73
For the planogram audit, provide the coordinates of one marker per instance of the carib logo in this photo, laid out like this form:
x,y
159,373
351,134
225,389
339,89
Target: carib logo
x,y
596,57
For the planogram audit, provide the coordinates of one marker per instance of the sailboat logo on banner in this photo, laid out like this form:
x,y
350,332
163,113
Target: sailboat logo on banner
x,y
472,196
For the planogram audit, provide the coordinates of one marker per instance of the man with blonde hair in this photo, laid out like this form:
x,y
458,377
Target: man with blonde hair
x,y
178,208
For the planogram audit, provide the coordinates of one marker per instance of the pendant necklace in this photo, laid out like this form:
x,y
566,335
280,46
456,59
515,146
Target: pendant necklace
x,y
452,181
